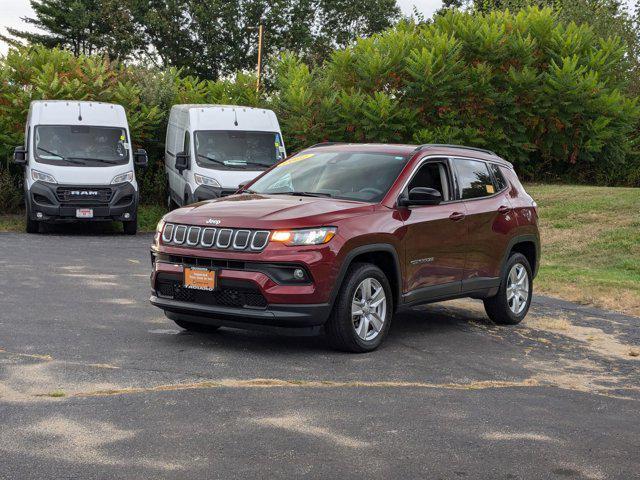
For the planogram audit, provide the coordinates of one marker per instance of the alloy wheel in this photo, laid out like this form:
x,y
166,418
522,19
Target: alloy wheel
x,y
369,309
518,288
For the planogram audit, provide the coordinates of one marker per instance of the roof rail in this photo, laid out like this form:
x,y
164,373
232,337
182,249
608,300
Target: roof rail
x,y
326,144
476,149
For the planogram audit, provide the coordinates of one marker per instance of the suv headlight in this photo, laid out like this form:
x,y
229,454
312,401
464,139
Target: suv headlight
x,y
308,236
123,177
42,177
202,180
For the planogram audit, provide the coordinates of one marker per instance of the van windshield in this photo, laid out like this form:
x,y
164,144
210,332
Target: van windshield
x,y
237,150
350,175
81,145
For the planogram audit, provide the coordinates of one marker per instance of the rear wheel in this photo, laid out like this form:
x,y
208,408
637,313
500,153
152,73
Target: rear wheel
x,y
362,311
196,327
130,227
511,304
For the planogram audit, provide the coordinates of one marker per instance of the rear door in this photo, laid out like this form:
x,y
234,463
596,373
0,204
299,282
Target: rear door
x,y
489,220
435,238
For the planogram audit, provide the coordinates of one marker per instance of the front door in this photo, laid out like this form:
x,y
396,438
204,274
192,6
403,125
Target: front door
x,y
436,237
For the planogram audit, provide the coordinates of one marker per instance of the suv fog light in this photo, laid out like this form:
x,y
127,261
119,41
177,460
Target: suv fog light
x,y
39,215
127,215
298,274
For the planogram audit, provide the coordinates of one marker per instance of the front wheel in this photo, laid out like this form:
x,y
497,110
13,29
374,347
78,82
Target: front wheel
x,y
362,311
511,304
31,226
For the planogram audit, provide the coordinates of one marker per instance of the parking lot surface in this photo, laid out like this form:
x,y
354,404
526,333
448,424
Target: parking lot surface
x,y
97,383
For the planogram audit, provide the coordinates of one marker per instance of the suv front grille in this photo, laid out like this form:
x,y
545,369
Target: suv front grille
x,y
216,238
84,194
224,296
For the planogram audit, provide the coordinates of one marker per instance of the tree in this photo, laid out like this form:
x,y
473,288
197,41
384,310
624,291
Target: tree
x,y
210,38
82,26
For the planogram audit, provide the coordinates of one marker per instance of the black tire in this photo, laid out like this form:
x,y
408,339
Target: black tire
x,y
171,204
497,307
31,226
130,227
196,327
340,329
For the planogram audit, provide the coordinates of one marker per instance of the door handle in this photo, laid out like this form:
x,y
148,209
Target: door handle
x,y
504,209
457,216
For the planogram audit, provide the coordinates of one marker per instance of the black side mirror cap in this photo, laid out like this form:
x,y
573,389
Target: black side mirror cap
x,y
182,161
421,196
20,155
140,158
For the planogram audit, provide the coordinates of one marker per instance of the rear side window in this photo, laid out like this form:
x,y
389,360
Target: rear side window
x,y
498,178
474,179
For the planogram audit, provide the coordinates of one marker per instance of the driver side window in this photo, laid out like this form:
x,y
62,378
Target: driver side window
x,y
186,145
433,174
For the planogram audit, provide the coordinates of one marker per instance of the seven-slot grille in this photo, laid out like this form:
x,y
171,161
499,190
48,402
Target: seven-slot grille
x,y
84,194
218,237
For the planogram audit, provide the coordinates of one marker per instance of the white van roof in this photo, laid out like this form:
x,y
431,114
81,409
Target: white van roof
x,y
225,117
75,112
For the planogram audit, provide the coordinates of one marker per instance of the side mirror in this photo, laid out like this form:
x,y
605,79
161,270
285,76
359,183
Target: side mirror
x,y
421,196
20,155
140,158
182,161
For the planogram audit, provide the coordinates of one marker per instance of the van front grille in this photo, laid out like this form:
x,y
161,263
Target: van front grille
x,y
80,195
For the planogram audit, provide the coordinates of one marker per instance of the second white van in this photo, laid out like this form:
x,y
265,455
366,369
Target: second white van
x,y
212,149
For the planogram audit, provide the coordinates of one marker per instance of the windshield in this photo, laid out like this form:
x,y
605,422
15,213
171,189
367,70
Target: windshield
x,y
361,176
233,149
81,145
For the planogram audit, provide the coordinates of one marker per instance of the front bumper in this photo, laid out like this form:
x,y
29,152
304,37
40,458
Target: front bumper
x,y
244,297
115,202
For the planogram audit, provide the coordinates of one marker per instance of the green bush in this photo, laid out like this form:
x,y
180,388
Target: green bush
x,y
545,95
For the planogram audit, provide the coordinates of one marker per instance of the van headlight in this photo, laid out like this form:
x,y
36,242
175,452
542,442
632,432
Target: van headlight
x,y
42,177
208,181
123,177
308,236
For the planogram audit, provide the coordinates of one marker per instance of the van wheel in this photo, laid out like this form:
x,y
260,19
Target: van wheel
x,y
362,312
31,226
130,227
511,304
196,327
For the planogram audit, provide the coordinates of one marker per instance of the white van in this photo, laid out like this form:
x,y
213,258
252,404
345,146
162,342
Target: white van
x,y
79,164
212,149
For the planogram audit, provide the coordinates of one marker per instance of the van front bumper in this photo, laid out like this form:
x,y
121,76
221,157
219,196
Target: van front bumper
x,y
59,203
206,192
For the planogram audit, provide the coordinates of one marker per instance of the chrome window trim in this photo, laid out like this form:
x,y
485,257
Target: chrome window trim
x,y
164,238
189,234
235,238
253,239
218,245
175,234
213,238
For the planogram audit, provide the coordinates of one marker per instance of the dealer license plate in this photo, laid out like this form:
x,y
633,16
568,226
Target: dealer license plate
x,y
199,278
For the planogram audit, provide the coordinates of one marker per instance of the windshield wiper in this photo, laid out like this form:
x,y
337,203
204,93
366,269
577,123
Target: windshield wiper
x,y
304,194
262,164
89,159
64,159
212,159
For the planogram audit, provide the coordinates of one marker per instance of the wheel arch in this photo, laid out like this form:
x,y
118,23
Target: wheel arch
x,y
527,245
384,256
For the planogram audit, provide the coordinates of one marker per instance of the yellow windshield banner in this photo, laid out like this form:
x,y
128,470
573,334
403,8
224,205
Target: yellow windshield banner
x,y
297,159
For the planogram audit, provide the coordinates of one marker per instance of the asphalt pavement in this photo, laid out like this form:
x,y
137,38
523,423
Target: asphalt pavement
x,y
96,383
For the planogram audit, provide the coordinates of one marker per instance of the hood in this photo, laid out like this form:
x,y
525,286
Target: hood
x,y
268,211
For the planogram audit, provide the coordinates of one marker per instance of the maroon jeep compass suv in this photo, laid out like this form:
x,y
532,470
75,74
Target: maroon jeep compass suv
x,y
340,237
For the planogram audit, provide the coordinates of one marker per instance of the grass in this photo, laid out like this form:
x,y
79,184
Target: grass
x,y
590,243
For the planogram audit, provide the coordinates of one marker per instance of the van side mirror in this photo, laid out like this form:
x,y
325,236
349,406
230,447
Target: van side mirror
x,y
421,196
182,161
20,155
140,158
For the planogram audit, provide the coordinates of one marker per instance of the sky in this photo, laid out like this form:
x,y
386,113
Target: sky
x,y
13,10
